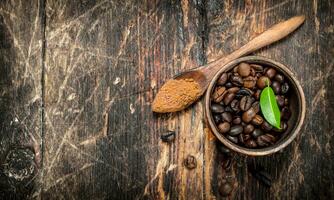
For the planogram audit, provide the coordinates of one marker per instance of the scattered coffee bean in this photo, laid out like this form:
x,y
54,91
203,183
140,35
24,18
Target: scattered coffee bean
x,y
217,118
257,120
232,139
256,106
219,94
246,102
224,127
236,120
235,105
228,98
257,68
249,128
280,100
227,117
285,88
225,189
244,69
266,126
256,133
222,79
265,140
216,108
248,115
243,138
271,72
279,78
190,162
250,143
168,136
235,130
233,90
262,82
227,164
244,92
276,86
249,82
285,113
223,149
257,94
237,80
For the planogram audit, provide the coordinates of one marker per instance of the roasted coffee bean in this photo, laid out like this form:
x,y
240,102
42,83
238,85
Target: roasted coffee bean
x,y
276,87
224,127
243,138
190,162
252,72
280,100
222,79
249,82
233,90
232,139
236,120
258,75
286,101
226,117
250,143
265,140
256,106
285,88
227,164
262,82
256,133
257,94
279,78
244,92
257,68
235,105
216,108
223,149
244,69
257,120
237,80
271,72
285,113
228,109
249,128
225,189
243,124
168,136
228,98
266,126
246,102
217,118
235,130
219,94
228,85
283,128
248,115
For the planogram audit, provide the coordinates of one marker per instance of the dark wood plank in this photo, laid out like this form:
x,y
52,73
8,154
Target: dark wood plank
x,y
303,170
20,98
104,63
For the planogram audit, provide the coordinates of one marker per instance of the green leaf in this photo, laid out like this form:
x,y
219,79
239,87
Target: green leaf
x,y
270,108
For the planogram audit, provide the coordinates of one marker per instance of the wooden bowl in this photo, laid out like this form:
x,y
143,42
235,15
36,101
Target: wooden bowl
x,y
296,101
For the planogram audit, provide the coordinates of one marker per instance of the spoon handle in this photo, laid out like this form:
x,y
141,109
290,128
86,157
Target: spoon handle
x,y
268,37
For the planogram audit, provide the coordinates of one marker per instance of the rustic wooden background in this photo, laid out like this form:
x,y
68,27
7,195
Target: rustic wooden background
x,y
77,79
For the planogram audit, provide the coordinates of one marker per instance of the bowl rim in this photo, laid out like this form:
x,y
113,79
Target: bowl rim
x,y
271,149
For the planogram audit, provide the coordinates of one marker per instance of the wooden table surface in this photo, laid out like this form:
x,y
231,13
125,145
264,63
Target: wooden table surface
x,y
77,81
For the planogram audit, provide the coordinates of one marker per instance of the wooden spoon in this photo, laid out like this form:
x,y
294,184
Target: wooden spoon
x,y
203,75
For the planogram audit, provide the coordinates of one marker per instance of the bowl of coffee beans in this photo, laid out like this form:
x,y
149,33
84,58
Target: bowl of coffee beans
x,y
255,106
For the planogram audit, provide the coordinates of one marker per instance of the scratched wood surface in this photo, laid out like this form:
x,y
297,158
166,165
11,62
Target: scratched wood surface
x,y
78,78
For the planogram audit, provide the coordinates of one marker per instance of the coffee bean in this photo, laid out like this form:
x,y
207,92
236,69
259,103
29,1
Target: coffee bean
x,y
235,130
244,69
257,68
227,117
271,72
250,144
285,88
228,85
285,113
219,94
257,94
243,138
252,72
276,87
286,101
249,82
237,80
265,140
235,105
262,82
243,124
279,78
222,79
258,75
168,136
224,127
232,139
236,120
227,164
257,120
223,149
246,102
217,118
248,115
256,133
249,128
266,126
190,162
256,106
216,108
280,100
233,90
225,189
228,98
244,92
